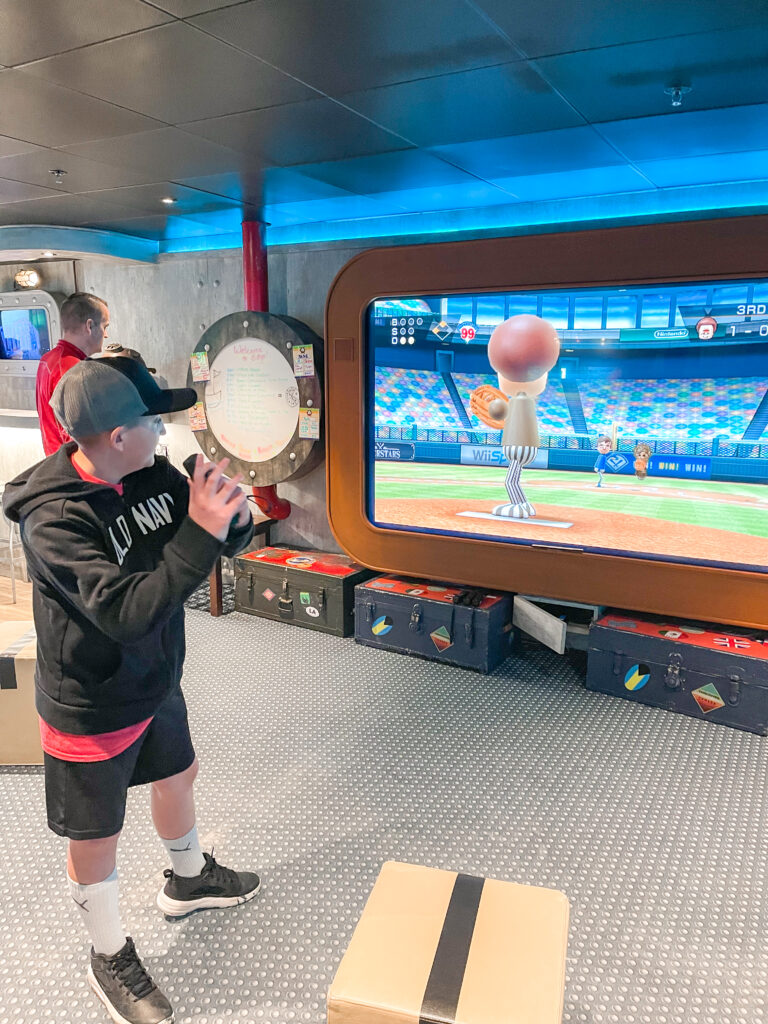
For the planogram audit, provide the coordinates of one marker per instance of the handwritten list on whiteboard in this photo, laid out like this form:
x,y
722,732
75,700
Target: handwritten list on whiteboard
x,y
252,400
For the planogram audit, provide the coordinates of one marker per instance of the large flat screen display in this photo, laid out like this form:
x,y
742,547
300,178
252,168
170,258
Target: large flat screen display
x,y
652,423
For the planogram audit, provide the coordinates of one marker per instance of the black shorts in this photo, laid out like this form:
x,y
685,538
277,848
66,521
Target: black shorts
x,y
86,800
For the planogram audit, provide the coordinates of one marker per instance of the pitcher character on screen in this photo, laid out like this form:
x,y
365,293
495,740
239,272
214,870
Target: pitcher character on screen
x,y
522,350
604,445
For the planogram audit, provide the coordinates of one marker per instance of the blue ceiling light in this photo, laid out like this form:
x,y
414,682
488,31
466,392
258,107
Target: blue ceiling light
x,y
604,210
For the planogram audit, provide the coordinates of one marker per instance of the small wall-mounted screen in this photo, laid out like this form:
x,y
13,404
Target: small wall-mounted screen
x,y
651,422
24,333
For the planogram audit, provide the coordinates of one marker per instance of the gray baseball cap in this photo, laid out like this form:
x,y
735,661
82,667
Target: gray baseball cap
x,y
97,395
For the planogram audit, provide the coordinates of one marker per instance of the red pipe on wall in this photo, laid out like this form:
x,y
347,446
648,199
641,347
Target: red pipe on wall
x,y
255,267
256,281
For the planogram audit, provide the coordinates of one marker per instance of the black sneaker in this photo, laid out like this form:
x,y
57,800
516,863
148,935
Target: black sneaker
x,y
121,982
215,886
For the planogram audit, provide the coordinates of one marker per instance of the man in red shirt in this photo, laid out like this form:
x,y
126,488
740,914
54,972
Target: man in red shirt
x,y
84,325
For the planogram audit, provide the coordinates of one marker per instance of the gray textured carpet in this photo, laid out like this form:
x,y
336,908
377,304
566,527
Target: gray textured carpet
x,y
321,759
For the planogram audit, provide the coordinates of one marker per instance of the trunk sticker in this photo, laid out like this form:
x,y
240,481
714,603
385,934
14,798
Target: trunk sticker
x,y
441,638
305,598
269,594
300,561
637,677
733,643
312,612
382,625
708,698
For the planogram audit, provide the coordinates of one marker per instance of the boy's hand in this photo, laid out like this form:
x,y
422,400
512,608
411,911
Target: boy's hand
x,y
214,500
244,515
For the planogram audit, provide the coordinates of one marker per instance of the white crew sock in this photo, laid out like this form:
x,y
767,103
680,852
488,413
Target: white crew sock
x,y
99,909
186,856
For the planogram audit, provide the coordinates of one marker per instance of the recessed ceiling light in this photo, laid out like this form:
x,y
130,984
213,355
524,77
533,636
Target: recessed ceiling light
x,y
49,254
168,200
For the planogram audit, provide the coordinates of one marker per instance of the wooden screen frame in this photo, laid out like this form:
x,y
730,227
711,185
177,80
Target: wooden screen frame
x,y
718,249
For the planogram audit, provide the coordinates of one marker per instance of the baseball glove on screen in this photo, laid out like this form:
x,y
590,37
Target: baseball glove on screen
x,y
479,403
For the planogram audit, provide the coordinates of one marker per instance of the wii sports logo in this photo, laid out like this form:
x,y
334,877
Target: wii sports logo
x,y
487,455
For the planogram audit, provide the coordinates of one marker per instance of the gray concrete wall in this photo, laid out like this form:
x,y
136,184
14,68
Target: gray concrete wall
x,y
162,309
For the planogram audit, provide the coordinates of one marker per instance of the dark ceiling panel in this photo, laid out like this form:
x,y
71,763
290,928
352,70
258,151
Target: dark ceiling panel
x,y
298,133
506,100
147,199
69,211
385,172
274,185
243,187
18,191
167,154
723,69
288,185
697,133
142,227
13,147
81,175
344,45
37,111
29,31
188,8
174,73
537,153
562,26
155,226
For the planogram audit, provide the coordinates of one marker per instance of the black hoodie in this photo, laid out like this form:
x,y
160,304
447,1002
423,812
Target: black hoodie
x,y
111,574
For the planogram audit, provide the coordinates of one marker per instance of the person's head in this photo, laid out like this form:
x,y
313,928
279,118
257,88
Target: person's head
x,y
84,321
116,349
604,444
113,409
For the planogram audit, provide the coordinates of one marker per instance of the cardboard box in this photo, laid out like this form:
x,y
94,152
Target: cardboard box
x,y
19,729
437,947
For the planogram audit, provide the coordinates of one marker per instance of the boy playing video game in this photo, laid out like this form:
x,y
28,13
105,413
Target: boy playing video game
x,y
116,540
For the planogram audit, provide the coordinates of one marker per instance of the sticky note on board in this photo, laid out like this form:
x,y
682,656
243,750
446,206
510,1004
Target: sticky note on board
x,y
303,361
200,369
197,418
309,423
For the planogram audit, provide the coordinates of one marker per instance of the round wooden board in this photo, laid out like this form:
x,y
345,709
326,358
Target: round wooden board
x,y
298,455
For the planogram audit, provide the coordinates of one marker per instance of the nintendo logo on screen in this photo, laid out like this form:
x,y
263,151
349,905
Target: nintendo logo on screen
x,y
678,332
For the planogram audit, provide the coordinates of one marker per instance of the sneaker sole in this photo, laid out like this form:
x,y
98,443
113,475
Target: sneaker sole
x,y
180,908
116,1017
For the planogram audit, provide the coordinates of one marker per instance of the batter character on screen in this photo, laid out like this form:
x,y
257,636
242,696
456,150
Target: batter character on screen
x,y
604,445
522,350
